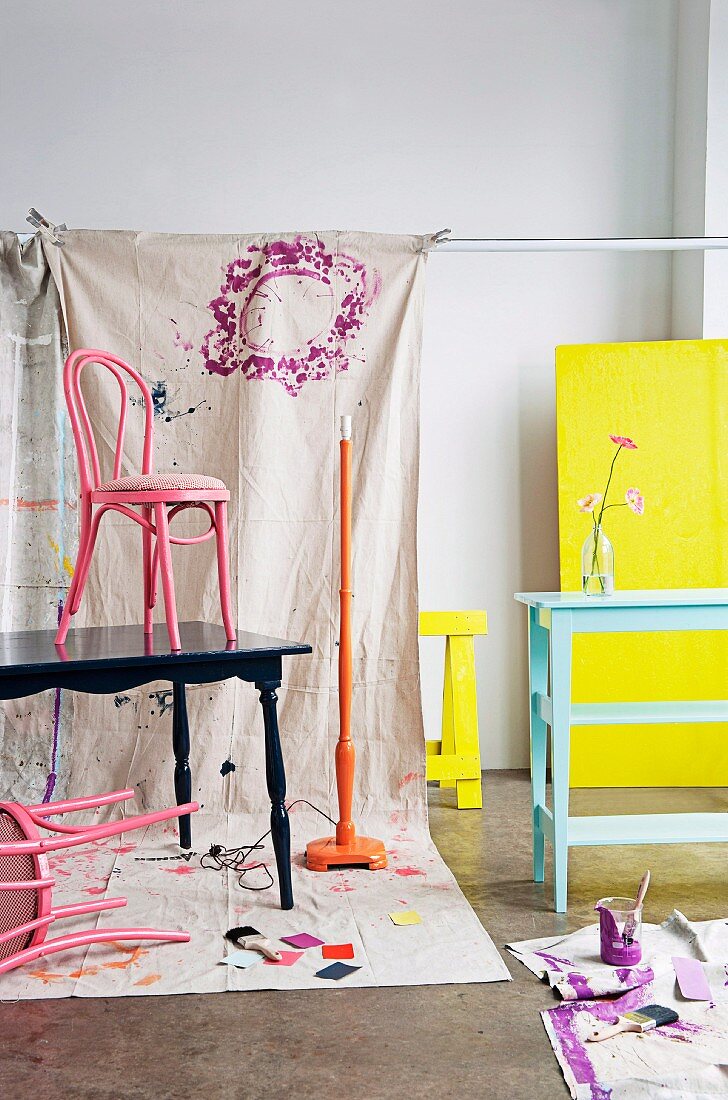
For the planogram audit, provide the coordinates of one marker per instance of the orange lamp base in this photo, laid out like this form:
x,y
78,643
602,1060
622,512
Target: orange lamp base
x,y
323,854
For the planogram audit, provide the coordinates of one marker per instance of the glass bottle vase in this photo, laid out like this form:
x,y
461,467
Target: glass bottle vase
x,y
597,564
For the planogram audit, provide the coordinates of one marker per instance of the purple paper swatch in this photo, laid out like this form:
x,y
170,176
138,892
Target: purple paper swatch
x,y
691,979
302,939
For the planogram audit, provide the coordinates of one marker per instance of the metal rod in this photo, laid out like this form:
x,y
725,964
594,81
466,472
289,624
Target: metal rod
x,y
556,244
587,244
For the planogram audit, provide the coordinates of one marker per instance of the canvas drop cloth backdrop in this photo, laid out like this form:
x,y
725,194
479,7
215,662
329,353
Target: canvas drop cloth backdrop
x,y
38,515
253,347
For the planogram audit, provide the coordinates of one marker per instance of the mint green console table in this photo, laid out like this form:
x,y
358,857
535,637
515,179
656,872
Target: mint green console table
x,y
553,618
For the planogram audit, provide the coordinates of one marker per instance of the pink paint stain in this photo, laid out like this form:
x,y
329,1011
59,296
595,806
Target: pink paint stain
x,y
183,870
406,872
180,342
341,292
409,777
95,890
342,888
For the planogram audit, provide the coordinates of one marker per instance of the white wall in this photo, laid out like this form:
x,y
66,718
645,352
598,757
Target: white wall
x,y
691,98
526,118
715,275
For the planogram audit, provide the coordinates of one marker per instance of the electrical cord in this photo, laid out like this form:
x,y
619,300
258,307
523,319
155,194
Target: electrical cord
x,y
221,858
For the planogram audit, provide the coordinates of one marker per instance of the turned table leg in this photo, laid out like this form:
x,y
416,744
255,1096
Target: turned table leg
x,y
276,780
181,747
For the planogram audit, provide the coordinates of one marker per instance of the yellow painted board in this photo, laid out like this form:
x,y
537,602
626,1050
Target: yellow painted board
x,y
454,766
671,397
452,622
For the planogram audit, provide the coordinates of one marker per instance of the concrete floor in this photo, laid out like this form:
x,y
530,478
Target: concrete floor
x,y
439,1041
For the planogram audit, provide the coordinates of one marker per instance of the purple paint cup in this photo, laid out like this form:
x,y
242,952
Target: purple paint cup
x,y
620,931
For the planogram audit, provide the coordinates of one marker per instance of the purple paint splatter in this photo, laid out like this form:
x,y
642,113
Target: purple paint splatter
x,y
571,1047
555,961
580,984
286,312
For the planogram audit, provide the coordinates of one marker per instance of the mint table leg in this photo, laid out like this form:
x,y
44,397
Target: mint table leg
x,y
538,681
560,639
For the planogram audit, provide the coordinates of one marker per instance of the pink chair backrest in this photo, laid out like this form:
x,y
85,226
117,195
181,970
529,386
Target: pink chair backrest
x,y
88,456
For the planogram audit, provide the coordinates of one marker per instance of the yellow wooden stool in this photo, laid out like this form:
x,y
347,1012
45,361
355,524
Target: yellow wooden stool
x,y
455,759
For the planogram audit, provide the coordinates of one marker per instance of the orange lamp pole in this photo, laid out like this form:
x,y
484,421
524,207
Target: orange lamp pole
x,y
346,848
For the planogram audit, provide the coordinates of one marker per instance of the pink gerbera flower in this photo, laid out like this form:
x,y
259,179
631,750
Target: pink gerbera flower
x,y
624,441
589,502
635,500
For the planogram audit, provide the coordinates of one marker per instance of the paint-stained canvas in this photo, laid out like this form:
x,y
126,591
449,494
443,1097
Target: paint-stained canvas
x,y
38,518
253,346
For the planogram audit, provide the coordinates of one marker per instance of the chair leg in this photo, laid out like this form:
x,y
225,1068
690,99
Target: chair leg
x,y
153,577
83,567
223,568
147,567
80,576
165,564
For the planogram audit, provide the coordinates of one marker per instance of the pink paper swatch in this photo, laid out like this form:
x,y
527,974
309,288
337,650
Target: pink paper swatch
x,y
288,958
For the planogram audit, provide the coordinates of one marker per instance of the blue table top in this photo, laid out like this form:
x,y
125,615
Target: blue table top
x,y
656,597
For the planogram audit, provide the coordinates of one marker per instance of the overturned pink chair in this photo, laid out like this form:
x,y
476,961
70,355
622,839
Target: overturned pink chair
x,y
152,493
26,885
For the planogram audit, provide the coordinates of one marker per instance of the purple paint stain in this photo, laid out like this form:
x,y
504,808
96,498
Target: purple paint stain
x,y
635,975
287,317
580,985
553,961
570,1045
573,1052
682,1027
52,775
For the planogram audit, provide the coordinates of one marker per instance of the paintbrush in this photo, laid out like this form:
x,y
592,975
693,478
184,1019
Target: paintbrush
x,y
631,923
644,1019
252,940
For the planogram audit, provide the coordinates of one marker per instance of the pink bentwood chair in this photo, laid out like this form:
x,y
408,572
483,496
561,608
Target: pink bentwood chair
x,y
154,493
26,884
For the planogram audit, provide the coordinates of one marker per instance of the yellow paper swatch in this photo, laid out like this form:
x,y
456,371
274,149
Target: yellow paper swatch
x,y
407,916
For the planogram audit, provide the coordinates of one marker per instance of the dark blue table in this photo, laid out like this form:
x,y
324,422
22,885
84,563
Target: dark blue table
x,y
113,659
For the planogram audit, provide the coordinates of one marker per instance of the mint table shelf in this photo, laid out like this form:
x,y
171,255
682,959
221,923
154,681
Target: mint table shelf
x,y
553,619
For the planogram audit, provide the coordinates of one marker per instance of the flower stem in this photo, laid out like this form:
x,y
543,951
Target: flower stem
x,y
598,522
609,482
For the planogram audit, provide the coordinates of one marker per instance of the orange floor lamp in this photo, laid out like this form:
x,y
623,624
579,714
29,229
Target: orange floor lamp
x,y
346,848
